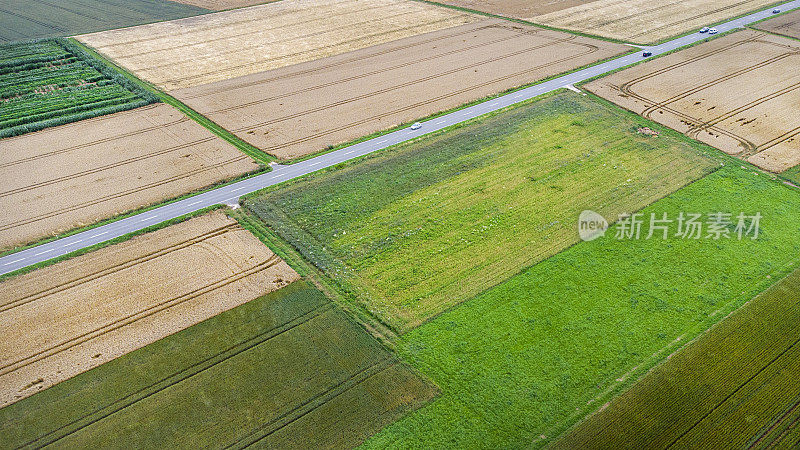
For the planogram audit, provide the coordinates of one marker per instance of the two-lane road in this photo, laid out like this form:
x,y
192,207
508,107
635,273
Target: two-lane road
x,y
279,174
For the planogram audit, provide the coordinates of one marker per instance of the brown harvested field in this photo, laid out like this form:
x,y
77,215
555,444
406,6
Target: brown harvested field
x,y
738,93
519,9
212,47
64,319
299,110
72,175
787,24
222,5
646,21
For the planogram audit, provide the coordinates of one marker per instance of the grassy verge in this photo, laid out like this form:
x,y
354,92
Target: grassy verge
x,y
116,240
415,230
231,138
223,382
732,387
525,360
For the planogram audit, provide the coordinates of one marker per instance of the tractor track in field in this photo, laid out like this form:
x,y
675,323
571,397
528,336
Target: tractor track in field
x,y
116,195
390,113
121,266
139,315
152,389
291,55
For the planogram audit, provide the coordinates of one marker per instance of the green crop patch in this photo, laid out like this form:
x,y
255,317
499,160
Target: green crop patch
x,y
524,361
735,387
25,20
52,82
420,228
286,370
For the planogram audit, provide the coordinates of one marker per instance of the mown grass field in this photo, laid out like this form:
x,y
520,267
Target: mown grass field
x,y
423,227
52,82
24,20
286,370
522,362
732,388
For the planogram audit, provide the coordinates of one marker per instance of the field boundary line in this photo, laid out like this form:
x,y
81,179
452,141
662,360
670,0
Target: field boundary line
x,y
195,369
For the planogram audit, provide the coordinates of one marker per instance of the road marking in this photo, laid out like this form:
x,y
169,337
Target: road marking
x,y
440,122
381,142
15,261
100,234
194,203
351,151
238,189
148,218
73,243
46,251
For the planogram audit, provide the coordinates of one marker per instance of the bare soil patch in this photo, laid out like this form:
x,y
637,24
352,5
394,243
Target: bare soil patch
x,y
300,110
519,9
646,21
73,175
65,319
787,24
738,93
224,45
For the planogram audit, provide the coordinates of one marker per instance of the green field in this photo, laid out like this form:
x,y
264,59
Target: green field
x,y
734,387
52,82
420,228
792,175
522,362
24,20
289,369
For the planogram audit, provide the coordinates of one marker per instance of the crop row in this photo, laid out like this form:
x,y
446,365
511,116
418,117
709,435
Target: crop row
x,y
53,81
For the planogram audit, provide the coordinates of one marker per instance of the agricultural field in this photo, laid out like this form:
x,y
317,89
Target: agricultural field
x,y
64,319
222,5
52,82
418,229
299,110
25,20
786,24
522,362
223,382
108,165
213,47
645,21
519,9
738,93
735,387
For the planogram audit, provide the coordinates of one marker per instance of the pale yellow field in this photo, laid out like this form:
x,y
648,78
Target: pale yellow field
x,y
739,93
646,21
65,319
219,46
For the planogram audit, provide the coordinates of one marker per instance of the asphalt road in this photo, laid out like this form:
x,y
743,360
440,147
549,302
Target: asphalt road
x,y
230,193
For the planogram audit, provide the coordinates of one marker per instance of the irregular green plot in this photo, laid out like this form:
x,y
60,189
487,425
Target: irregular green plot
x,y
421,228
735,386
52,82
522,362
286,369
24,20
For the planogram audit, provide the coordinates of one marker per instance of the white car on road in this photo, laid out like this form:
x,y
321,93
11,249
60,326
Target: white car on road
x,y
416,126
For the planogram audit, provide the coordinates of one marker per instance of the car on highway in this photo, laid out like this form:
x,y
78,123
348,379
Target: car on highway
x,y
776,11
713,31
647,54
704,29
416,126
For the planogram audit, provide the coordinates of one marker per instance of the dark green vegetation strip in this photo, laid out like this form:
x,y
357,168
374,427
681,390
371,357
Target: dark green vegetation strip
x,y
25,20
417,229
231,138
735,387
52,82
286,370
522,362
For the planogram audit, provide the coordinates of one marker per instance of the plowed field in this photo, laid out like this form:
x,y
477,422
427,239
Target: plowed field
x,y
787,25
